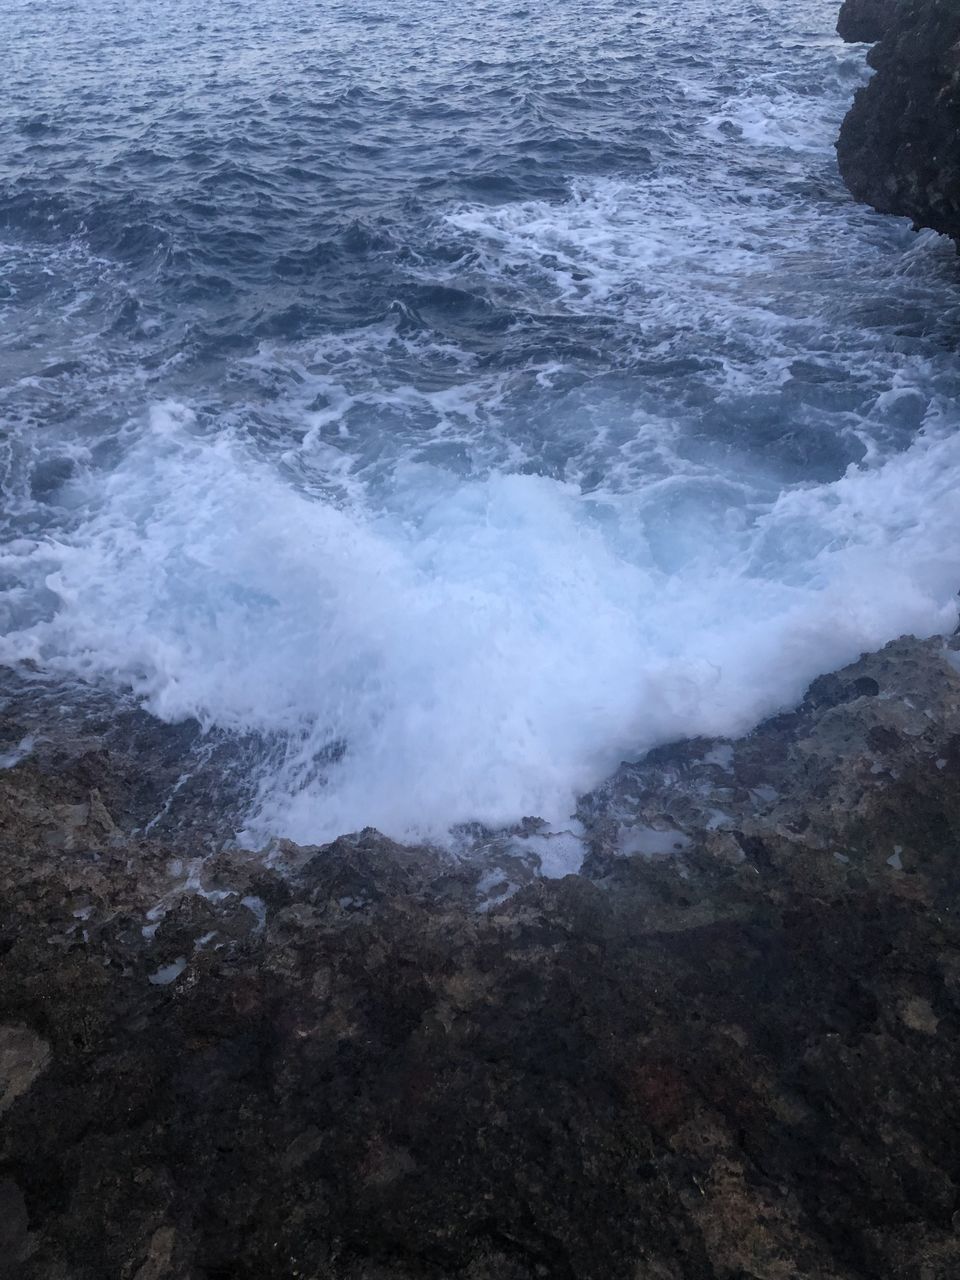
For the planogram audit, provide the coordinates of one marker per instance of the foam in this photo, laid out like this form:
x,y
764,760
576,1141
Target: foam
x,y
492,649
452,584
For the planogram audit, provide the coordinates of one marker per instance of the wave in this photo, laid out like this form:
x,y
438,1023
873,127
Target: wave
x,y
489,648
493,422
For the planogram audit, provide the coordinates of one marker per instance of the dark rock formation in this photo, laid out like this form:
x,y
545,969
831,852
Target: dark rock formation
x,y
866,20
737,1059
899,148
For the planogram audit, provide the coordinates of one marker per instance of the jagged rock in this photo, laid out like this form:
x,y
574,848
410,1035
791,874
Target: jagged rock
x,y
732,1058
866,20
899,147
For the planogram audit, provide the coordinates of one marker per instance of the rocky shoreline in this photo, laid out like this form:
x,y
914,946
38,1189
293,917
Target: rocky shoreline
x,y
899,147
732,1052
725,1049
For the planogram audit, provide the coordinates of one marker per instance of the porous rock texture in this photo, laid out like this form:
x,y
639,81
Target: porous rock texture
x,y
736,1058
899,146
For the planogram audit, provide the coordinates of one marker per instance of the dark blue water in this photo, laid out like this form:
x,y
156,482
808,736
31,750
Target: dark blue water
x,y
463,396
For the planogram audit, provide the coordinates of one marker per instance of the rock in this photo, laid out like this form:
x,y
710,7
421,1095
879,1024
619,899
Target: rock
x,y
157,1264
14,1235
23,1055
899,147
866,21
734,1055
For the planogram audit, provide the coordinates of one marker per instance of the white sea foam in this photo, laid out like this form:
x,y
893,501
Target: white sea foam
x,y
457,589
491,649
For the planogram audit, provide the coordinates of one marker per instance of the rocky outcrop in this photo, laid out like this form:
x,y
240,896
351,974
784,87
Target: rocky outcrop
x,y
866,20
728,1048
899,147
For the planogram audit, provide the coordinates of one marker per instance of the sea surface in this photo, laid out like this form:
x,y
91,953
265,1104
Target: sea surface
x,y
457,397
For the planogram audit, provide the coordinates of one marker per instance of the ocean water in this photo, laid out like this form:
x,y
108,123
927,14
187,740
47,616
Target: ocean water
x,y
463,397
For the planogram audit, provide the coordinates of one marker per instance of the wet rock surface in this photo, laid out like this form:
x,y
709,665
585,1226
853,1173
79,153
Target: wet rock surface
x,y
899,147
727,1048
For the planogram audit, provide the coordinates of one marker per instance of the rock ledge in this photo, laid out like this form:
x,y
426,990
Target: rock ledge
x,y
732,1053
